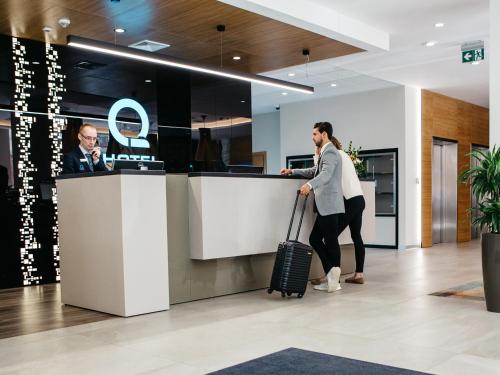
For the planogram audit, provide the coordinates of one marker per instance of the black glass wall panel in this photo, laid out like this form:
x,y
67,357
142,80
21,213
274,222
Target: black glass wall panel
x,y
195,122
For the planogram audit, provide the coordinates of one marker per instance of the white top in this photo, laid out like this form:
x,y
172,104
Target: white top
x,y
351,187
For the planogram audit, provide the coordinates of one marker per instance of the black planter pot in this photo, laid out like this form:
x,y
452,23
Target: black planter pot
x,y
490,245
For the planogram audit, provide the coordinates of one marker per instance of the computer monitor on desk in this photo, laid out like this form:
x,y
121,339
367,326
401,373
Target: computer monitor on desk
x,y
138,165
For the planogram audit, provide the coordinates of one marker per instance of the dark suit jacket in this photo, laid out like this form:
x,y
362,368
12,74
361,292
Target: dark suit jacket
x,y
75,162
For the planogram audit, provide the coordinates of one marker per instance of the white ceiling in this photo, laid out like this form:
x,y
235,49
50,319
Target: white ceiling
x,y
410,24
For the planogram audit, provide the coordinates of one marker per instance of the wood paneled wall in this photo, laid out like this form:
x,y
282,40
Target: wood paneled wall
x,y
465,123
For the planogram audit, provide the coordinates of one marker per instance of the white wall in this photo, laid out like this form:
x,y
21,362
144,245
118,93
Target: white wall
x,y
411,196
266,137
373,120
494,54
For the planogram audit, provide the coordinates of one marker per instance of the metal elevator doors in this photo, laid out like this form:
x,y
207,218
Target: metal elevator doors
x,y
444,191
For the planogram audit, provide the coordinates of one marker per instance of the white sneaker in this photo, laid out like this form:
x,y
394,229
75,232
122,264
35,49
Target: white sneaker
x,y
333,279
322,286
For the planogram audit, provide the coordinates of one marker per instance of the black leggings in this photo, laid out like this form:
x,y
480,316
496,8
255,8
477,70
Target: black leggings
x,y
325,241
353,218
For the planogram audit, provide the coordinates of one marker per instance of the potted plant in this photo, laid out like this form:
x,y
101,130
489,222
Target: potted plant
x,y
485,183
358,163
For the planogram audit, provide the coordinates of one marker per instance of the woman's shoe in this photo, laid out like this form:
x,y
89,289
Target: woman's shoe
x,y
353,280
318,281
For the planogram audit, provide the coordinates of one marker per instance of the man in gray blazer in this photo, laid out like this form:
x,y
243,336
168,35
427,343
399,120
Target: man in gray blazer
x,y
326,182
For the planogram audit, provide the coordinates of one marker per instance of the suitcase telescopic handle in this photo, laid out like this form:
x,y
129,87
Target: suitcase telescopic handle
x,y
293,216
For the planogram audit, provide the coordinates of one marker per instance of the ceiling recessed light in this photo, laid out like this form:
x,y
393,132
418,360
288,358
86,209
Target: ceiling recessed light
x,y
148,81
120,30
430,43
284,93
47,29
439,24
236,57
476,62
64,22
291,74
242,101
333,84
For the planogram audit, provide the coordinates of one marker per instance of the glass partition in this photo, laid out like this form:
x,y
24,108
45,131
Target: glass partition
x,y
381,167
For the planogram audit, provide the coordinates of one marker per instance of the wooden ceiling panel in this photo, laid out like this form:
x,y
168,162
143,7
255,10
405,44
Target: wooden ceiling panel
x,y
187,25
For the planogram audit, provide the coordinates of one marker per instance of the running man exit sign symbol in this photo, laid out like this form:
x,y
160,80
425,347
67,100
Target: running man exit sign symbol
x,y
472,55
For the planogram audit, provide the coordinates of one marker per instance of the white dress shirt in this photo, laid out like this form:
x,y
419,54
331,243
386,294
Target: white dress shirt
x,y
85,153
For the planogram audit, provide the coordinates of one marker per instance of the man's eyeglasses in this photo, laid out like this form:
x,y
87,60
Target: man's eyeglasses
x,y
89,138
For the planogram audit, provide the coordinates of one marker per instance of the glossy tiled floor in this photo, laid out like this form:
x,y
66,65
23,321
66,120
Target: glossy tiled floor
x,y
390,320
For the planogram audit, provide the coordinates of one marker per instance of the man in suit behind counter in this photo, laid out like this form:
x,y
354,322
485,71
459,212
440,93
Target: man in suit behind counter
x,y
85,158
326,182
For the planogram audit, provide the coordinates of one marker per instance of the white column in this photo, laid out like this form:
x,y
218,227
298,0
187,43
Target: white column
x,y
494,54
411,196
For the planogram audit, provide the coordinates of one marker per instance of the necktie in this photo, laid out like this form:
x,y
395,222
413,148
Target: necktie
x,y
91,163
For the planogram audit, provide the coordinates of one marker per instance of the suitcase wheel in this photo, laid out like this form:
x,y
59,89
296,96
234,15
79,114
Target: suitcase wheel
x,y
300,295
269,290
283,294
288,294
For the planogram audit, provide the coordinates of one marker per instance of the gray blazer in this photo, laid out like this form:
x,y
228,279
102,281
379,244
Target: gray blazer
x,y
327,185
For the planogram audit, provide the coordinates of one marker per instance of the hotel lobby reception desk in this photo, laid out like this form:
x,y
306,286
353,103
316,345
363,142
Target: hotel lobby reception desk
x,y
113,241
132,242
224,229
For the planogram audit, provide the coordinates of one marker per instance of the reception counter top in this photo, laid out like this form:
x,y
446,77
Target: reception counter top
x,y
128,172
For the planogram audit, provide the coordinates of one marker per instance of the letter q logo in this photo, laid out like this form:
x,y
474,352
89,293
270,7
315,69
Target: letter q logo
x,y
141,140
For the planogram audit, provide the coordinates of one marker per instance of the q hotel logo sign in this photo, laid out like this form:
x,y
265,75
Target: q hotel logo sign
x,y
140,141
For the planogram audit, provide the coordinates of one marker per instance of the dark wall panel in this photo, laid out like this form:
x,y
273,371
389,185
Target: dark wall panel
x,y
81,88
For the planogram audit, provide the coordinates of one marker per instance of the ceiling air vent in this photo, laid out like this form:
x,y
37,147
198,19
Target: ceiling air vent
x,y
149,45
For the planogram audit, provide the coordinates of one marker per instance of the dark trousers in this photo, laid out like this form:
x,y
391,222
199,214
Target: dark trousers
x,y
324,240
353,218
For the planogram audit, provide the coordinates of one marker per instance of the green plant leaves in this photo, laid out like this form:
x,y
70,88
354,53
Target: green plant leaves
x,y
485,184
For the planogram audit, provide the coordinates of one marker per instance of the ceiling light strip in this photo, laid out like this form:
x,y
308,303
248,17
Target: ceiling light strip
x,y
111,49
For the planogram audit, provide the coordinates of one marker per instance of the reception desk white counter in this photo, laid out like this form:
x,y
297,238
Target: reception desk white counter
x,y
113,241
118,255
242,214
250,215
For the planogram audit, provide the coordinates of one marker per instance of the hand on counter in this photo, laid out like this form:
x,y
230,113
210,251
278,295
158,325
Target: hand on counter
x,y
285,171
305,189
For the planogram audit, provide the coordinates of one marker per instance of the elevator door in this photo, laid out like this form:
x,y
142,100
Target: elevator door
x,y
444,191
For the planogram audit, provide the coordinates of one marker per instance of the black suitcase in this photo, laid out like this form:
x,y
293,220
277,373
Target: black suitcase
x,y
293,261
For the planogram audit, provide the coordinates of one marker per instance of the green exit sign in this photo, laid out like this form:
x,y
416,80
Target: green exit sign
x,y
471,55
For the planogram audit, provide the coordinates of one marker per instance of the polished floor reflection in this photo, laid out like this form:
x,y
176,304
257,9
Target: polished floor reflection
x,y
38,308
391,320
